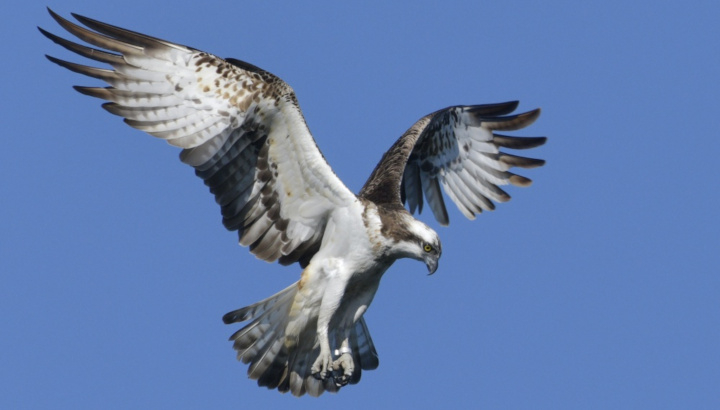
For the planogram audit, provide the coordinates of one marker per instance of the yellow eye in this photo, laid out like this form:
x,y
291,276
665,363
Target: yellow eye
x,y
428,248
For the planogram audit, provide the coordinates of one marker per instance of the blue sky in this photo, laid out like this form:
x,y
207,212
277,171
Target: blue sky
x,y
595,288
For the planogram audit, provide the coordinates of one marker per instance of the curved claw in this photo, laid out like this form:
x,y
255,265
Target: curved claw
x,y
343,369
321,367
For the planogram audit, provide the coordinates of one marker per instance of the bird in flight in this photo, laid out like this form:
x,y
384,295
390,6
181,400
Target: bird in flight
x,y
242,130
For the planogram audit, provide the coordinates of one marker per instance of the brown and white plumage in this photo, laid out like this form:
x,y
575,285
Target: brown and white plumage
x,y
242,130
456,149
226,117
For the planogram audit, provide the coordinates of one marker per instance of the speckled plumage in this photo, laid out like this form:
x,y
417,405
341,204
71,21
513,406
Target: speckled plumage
x,y
242,130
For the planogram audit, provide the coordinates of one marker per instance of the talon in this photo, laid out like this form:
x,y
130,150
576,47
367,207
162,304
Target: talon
x,y
320,368
343,369
341,380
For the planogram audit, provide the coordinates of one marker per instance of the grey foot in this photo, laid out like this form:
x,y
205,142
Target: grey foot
x,y
321,368
343,369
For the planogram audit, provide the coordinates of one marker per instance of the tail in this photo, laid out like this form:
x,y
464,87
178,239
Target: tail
x,y
277,362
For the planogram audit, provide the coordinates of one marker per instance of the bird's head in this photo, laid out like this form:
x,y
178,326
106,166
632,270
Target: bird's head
x,y
422,244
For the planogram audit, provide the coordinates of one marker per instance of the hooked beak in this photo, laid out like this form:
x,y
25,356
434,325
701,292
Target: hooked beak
x,y
432,265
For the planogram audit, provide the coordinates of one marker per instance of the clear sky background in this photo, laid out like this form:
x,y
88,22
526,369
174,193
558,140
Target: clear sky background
x,y
596,288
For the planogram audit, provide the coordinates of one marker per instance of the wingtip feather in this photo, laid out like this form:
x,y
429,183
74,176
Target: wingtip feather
x,y
518,142
521,162
512,122
520,181
502,108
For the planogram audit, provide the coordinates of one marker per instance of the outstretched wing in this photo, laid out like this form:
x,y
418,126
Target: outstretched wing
x,y
457,149
240,127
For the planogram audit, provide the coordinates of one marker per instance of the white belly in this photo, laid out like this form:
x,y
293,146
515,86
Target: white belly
x,y
341,279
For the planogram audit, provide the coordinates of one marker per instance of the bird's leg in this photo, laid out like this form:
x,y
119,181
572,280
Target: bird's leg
x,y
344,367
330,302
322,364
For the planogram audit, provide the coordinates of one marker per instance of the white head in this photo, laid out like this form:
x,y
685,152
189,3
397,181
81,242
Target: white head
x,y
419,242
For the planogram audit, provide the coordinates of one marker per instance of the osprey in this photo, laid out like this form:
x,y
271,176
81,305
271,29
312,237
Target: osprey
x,y
242,130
